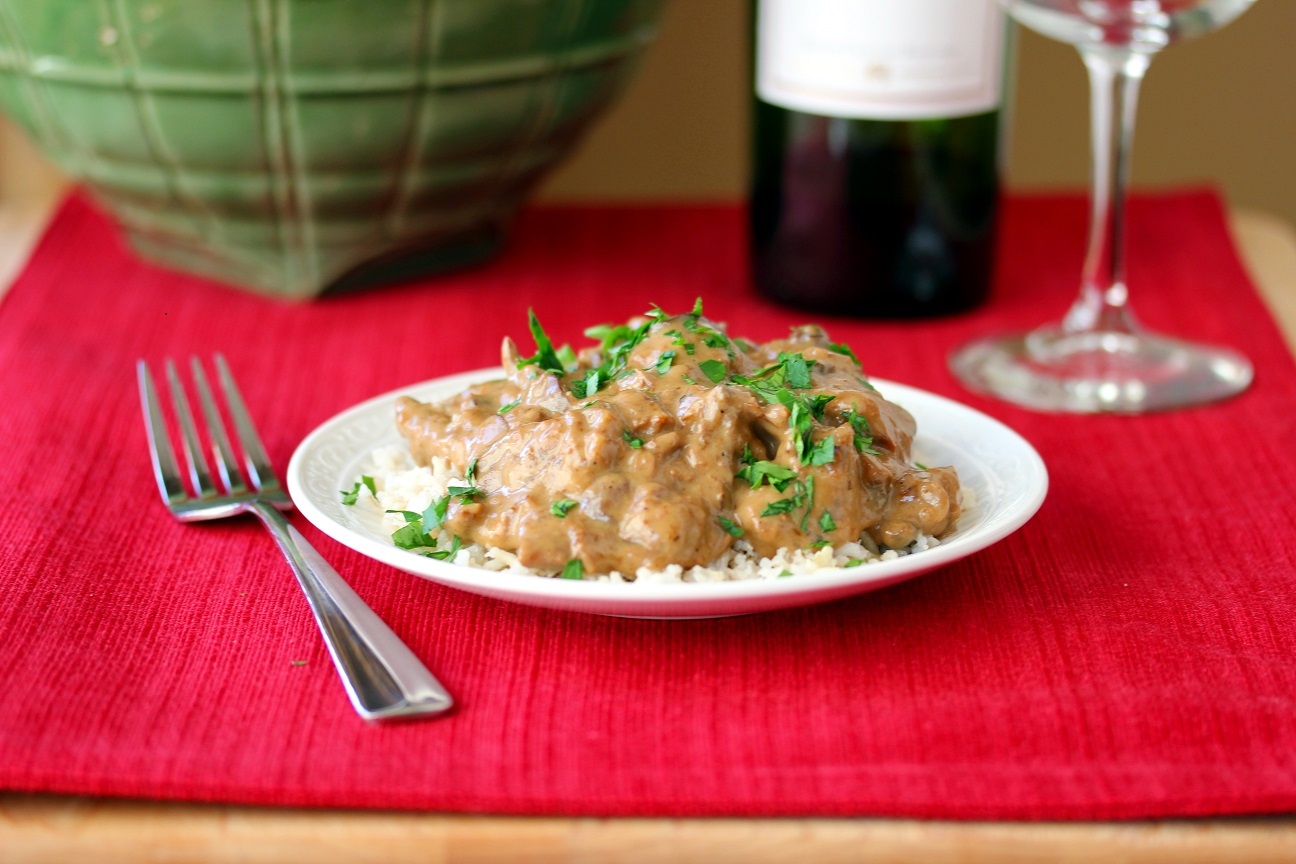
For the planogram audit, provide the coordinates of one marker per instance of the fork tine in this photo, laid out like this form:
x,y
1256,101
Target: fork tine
x,y
193,450
165,469
226,464
258,463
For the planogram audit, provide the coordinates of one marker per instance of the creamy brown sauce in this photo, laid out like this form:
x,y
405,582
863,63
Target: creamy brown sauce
x,y
666,465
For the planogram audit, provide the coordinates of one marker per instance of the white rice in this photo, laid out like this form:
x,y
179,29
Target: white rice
x,y
402,486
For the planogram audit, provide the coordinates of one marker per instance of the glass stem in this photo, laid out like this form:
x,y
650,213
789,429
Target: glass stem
x,y
1114,78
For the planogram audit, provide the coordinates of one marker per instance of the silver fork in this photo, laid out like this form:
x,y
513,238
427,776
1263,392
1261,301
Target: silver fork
x,y
383,678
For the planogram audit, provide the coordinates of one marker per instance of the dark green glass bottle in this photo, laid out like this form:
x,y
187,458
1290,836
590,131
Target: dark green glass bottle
x,y
888,216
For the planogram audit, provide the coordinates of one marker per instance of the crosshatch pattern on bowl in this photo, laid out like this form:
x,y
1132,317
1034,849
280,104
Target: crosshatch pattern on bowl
x,y
289,145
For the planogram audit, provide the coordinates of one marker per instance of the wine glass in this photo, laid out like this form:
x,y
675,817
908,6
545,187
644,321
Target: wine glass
x,y
1098,359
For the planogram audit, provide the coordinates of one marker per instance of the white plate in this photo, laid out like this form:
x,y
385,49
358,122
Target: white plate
x,y
1006,476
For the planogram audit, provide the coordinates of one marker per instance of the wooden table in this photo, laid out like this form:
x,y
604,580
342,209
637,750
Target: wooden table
x,y
56,829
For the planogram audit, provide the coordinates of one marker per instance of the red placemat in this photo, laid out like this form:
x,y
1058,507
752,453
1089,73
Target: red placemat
x,y
1129,653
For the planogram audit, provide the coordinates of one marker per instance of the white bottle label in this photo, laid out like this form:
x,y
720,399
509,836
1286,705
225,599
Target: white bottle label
x,y
880,59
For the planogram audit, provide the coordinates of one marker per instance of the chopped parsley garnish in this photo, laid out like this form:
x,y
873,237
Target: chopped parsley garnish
x,y
733,528
634,442
780,383
617,341
664,362
756,473
691,321
716,339
443,554
801,420
803,492
711,337
349,497
411,534
567,357
779,507
826,522
809,487
823,452
920,466
797,369
791,370
545,357
854,562
463,493
560,507
841,348
509,406
574,569
863,434
435,513
589,385
713,369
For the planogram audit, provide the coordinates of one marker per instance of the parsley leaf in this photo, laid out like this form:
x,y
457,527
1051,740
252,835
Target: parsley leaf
x,y
691,321
349,498
411,534
863,435
573,570
716,339
779,507
567,357
664,362
823,452
796,370
733,528
435,513
560,507
589,385
842,348
713,369
443,554
545,357
756,473
826,522
809,487
507,407
636,443
463,493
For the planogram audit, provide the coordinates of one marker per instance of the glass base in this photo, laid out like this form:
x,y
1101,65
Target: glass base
x,y
1096,372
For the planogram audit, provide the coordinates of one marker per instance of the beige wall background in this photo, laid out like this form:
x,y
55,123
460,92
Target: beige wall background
x,y
1220,109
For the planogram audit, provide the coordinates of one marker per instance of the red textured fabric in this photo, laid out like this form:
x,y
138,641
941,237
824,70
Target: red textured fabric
x,y
1129,653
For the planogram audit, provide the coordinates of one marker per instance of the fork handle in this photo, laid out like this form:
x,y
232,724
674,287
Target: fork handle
x,y
383,678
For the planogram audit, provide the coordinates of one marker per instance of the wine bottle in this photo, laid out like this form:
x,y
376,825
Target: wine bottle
x,y
876,171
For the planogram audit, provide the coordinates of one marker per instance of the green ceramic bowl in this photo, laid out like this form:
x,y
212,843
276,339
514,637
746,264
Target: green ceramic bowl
x,y
293,146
